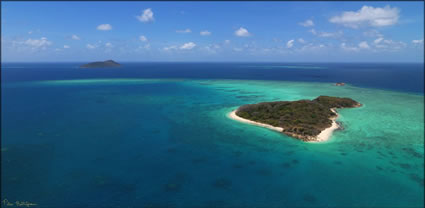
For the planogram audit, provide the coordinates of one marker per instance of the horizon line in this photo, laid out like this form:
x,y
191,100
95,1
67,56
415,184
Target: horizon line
x,y
289,62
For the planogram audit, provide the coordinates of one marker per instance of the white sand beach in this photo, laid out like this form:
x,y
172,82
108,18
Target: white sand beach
x,y
233,115
327,133
322,137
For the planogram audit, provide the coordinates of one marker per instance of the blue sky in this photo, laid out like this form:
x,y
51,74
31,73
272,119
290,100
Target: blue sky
x,y
213,31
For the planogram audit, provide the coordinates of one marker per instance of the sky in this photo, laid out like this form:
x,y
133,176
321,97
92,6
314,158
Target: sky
x,y
356,31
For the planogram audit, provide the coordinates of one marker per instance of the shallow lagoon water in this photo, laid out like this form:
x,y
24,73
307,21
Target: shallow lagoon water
x,y
169,142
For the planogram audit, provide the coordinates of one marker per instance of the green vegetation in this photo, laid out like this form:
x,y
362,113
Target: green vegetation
x,y
101,64
302,119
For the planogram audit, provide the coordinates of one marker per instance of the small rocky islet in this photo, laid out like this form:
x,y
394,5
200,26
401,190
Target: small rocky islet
x,y
302,119
101,64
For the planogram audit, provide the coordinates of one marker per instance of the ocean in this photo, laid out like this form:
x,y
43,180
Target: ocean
x,y
158,135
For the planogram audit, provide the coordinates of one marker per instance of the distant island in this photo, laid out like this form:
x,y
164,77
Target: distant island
x,y
101,64
340,84
307,120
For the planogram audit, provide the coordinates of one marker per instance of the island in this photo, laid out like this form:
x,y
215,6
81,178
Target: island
x,y
101,64
340,84
307,120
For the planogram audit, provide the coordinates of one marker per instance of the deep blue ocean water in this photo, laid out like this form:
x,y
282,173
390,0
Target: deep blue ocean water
x,y
408,77
157,135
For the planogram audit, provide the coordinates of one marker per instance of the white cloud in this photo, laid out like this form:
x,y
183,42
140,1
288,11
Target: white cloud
x,y
242,32
75,37
143,38
326,34
90,46
188,46
378,40
364,45
108,45
41,43
30,32
368,16
418,42
184,31
238,49
290,43
372,33
185,46
205,33
300,40
330,34
226,41
212,48
394,45
385,44
104,27
170,48
307,23
66,46
146,16
310,47
348,48
379,44
147,46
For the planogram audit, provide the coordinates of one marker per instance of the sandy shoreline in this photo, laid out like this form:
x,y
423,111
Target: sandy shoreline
x,y
322,137
327,133
233,115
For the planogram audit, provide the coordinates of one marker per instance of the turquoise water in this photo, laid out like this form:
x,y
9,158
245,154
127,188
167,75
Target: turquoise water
x,y
169,142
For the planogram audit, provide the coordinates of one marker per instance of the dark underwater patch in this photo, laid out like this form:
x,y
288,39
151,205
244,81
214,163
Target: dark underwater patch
x,y
310,198
417,179
222,183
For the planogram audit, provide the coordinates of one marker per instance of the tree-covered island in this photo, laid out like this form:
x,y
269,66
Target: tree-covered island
x,y
303,119
101,64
